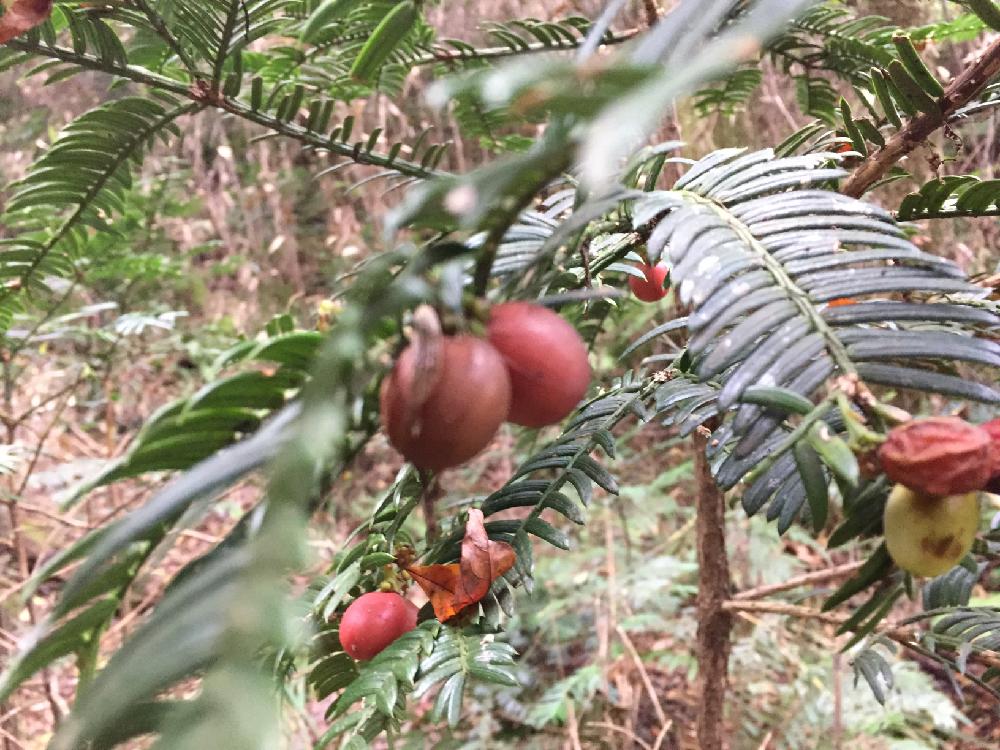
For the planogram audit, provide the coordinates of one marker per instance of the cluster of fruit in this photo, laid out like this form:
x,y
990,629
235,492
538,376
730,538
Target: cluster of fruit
x,y
448,395
940,466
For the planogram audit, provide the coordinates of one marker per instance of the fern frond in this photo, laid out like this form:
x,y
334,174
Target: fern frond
x,y
81,178
831,37
569,459
952,197
731,95
336,47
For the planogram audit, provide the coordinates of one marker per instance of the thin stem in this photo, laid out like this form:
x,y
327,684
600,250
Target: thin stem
x,y
714,584
644,675
806,579
233,106
430,493
322,142
900,632
89,62
441,54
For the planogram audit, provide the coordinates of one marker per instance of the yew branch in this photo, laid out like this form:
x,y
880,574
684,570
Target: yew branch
x,y
962,90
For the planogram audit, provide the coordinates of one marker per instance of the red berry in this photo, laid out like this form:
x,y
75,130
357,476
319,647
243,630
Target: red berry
x,y
461,410
375,620
546,358
653,287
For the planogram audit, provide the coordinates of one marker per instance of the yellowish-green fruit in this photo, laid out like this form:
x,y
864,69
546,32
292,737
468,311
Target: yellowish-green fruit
x,y
928,535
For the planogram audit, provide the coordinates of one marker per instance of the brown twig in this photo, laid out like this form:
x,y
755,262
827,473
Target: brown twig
x,y
572,726
782,608
960,92
10,741
904,635
621,730
714,621
665,723
428,497
806,579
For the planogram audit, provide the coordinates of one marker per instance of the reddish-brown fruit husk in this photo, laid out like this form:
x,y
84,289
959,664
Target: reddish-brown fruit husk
x,y
993,428
653,287
20,16
938,456
375,620
546,358
445,422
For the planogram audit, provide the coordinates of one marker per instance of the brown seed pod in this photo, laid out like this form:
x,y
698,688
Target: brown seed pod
x,y
938,456
441,413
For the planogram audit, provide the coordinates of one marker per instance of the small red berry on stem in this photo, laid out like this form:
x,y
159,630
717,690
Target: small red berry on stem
x,y
654,286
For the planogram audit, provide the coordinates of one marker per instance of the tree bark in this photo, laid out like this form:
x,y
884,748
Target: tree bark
x,y
960,92
714,622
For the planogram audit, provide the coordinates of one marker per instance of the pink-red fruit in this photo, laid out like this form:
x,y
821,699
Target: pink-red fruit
x,y
546,359
373,621
20,16
652,288
446,422
993,428
938,456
